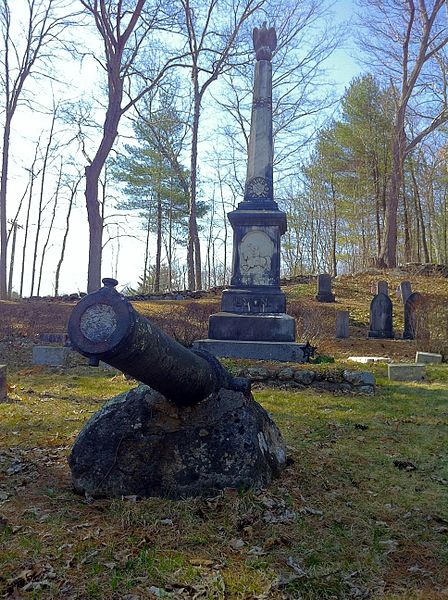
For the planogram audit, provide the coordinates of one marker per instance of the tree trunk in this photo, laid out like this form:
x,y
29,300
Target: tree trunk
x,y
47,241
3,226
194,247
28,216
64,239
95,229
388,256
41,199
13,252
158,242
407,227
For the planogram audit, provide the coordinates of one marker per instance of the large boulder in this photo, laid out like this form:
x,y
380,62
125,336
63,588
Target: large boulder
x,y
140,443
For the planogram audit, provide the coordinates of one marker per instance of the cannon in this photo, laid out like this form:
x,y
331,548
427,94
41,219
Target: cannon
x,y
105,327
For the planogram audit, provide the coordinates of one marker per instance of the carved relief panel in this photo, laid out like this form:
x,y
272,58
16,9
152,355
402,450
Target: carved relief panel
x,y
255,256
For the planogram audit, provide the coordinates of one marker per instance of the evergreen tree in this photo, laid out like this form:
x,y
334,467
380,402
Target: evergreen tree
x,y
156,183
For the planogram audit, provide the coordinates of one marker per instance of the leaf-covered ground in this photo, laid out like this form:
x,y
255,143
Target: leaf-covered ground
x,y
361,511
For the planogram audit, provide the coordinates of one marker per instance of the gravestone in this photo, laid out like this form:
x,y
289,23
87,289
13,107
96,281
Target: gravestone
x,y
381,317
253,306
428,358
324,293
412,306
50,356
3,384
342,324
405,290
406,372
382,287
195,431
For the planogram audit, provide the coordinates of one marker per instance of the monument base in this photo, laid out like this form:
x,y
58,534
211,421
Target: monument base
x,y
259,300
278,351
252,327
326,297
381,335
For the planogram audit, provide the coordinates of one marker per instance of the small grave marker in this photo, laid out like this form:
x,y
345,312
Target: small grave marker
x,y
51,356
324,293
428,358
406,372
412,304
3,384
342,324
405,290
381,317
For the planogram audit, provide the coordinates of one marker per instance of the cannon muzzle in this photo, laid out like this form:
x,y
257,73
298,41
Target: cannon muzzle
x,y
104,326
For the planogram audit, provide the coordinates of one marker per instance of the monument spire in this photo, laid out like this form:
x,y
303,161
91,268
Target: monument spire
x,y
252,322
259,186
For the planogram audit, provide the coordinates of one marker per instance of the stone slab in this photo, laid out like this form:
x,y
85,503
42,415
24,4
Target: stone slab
x,y
427,357
279,351
369,359
342,324
3,384
51,356
259,327
406,372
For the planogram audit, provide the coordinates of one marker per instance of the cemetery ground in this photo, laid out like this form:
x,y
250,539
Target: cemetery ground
x,y
361,511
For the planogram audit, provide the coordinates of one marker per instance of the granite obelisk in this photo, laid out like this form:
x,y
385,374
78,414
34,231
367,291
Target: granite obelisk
x,y
253,306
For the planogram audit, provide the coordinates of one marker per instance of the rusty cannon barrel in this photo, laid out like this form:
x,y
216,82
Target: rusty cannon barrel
x,y
104,326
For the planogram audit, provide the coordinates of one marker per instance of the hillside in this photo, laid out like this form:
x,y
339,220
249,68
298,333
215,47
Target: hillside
x,y
186,320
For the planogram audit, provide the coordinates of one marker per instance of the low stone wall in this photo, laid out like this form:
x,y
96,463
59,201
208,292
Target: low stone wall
x,y
334,380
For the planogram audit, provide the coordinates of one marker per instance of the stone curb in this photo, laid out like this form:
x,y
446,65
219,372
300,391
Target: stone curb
x,y
342,380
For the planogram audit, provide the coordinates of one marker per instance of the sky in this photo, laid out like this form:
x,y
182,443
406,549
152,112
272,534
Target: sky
x,y
125,261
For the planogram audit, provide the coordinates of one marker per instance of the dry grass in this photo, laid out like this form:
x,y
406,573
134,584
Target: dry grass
x,y
342,522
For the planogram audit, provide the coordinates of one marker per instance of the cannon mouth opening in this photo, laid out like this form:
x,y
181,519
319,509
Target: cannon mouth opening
x,y
100,323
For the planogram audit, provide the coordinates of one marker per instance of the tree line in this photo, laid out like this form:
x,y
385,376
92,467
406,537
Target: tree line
x,y
362,178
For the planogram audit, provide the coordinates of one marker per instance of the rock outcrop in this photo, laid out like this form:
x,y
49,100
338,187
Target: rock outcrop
x,y
140,443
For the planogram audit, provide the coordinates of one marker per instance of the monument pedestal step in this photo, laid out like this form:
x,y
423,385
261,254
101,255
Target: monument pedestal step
x,y
279,351
252,327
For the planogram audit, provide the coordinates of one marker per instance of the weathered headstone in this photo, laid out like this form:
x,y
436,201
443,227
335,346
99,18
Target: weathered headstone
x,y
381,317
204,434
342,324
3,383
324,292
382,287
253,307
51,356
428,358
406,372
412,315
405,290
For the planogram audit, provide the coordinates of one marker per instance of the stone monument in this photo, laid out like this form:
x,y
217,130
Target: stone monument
x,y
381,317
3,384
405,290
252,322
196,430
413,302
324,293
342,324
382,287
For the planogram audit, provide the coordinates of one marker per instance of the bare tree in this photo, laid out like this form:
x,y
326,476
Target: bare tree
x,y
72,187
44,25
306,37
213,31
124,28
404,42
48,155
